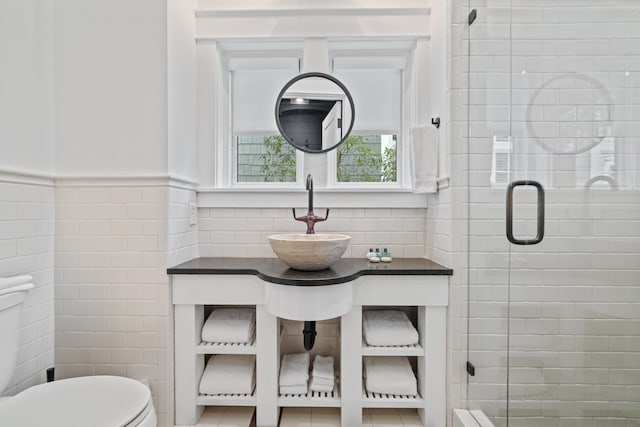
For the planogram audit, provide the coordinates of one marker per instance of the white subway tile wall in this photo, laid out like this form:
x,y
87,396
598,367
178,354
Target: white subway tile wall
x,y
243,232
113,308
183,242
26,247
182,245
563,79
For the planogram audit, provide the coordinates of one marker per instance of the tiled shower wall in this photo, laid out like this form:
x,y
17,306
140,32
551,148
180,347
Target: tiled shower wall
x,y
241,232
560,321
113,313
26,247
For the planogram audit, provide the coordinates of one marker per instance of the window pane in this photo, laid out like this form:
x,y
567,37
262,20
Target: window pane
x,y
367,158
264,158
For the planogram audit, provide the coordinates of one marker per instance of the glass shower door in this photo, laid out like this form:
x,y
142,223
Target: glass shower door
x,y
574,298
557,86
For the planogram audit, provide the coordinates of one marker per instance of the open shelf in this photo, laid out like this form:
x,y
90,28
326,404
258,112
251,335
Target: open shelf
x,y
227,399
312,399
381,400
399,350
226,348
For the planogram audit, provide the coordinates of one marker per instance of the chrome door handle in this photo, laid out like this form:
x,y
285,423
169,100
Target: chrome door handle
x,y
540,218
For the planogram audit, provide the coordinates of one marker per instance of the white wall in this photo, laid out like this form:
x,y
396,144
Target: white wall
x,y
115,109
26,88
181,88
112,292
26,165
111,87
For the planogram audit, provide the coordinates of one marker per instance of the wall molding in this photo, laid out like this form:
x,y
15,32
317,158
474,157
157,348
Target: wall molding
x,y
25,177
322,11
174,181
290,198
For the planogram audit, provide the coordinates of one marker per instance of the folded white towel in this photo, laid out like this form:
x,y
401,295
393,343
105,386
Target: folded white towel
x,y
424,159
323,367
229,374
16,288
294,369
293,389
236,325
322,381
321,387
390,375
388,328
7,282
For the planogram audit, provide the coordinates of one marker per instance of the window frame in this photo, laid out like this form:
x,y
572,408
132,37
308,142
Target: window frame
x,y
215,132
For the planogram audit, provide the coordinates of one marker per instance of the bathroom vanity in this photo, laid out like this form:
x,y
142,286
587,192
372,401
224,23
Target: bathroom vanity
x,y
278,292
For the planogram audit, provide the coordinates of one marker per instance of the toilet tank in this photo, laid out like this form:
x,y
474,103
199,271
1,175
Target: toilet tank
x,y
11,301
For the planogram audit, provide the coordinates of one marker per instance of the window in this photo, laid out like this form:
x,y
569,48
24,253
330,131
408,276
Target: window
x,y
370,153
264,158
259,153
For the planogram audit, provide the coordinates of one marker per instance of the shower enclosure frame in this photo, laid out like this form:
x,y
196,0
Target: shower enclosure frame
x,y
551,102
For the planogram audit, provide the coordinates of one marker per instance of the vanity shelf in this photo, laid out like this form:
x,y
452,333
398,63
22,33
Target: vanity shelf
x,y
399,350
312,399
227,399
418,287
226,348
380,400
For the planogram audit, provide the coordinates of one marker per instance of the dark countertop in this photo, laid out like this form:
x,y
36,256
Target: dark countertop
x,y
344,270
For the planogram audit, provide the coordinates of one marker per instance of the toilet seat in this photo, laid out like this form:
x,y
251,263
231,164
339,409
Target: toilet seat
x,y
96,401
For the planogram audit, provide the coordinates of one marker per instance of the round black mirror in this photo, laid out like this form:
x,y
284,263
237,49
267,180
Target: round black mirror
x,y
315,112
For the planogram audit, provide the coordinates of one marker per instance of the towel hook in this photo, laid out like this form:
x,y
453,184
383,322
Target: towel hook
x,y
436,122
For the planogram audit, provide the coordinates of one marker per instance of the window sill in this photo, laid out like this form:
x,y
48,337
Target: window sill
x,y
289,198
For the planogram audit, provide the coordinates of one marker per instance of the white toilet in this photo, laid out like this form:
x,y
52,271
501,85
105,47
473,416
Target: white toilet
x,y
96,401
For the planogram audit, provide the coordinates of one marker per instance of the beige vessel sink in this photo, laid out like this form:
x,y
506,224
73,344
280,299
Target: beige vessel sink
x,y
309,252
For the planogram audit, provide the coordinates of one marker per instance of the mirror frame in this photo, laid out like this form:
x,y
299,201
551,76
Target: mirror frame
x,y
324,76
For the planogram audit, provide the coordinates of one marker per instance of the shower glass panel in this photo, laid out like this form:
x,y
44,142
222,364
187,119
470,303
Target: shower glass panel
x,y
554,97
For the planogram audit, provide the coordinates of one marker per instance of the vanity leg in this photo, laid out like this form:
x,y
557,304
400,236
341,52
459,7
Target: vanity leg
x,y
267,368
188,366
351,367
432,378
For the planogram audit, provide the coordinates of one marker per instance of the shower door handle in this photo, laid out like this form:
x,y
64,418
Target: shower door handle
x,y
540,217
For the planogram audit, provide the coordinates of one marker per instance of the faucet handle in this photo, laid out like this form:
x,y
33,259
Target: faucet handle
x,y
320,219
310,219
298,218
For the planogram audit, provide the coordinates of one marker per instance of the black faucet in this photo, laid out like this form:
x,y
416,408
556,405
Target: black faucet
x,y
310,218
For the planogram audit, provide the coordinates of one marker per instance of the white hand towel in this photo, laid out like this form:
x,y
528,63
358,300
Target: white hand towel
x,y
8,282
294,369
293,389
229,374
323,367
424,159
320,387
388,328
322,381
230,325
390,375
16,288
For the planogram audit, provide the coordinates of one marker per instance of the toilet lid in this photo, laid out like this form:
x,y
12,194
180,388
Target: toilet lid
x,y
98,401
